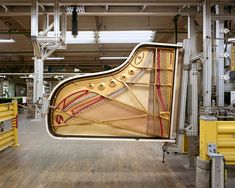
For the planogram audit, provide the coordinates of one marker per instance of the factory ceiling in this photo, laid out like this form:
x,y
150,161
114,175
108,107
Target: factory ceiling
x,y
106,15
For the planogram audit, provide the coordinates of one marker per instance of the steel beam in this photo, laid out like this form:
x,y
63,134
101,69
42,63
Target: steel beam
x,y
194,75
189,50
217,171
41,51
46,21
38,86
44,32
38,80
207,54
223,17
46,55
219,57
184,88
63,27
34,18
56,18
87,3
157,13
192,130
194,83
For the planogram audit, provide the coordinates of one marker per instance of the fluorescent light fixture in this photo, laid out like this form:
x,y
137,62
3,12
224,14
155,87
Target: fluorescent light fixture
x,y
83,37
113,58
126,36
7,40
231,40
53,58
106,37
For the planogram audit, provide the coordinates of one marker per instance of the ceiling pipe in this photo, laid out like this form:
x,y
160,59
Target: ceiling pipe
x,y
28,32
163,13
75,2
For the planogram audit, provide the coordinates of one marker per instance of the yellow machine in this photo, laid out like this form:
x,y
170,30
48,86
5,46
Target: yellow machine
x,y
8,111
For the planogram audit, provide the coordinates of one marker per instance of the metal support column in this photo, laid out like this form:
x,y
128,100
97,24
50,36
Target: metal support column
x,y
203,166
64,26
56,18
43,47
46,21
220,56
217,170
34,18
38,87
38,64
184,88
191,130
193,76
207,55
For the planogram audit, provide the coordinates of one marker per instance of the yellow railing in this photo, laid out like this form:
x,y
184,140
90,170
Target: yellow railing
x,y
221,133
8,111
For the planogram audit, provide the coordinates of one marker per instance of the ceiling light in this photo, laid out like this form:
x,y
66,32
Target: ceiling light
x,y
53,58
7,40
91,37
126,36
231,39
83,37
113,58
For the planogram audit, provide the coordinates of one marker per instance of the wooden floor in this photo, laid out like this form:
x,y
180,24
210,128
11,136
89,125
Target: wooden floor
x,y
41,161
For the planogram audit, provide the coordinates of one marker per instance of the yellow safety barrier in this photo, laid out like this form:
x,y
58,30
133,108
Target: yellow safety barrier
x,y
221,133
8,111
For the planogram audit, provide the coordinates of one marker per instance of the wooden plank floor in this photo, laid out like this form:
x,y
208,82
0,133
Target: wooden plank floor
x,y
41,161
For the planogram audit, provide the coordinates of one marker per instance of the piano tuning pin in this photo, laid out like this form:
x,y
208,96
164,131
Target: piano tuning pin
x,y
131,71
139,58
101,86
90,85
123,77
112,83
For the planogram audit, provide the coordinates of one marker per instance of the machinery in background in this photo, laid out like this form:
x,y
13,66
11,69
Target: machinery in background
x,y
226,111
207,95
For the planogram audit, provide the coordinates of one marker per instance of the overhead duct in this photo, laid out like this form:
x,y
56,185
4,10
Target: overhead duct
x,y
74,22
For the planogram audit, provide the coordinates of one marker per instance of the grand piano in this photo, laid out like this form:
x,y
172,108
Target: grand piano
x,y
134,100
